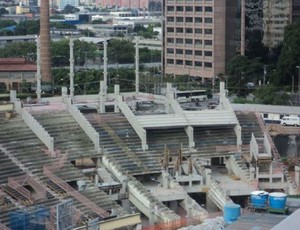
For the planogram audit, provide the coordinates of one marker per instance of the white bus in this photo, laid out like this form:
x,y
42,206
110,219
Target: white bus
x,y
191,96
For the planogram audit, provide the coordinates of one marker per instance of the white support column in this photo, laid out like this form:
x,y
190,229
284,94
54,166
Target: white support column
x,y
168,95
137,66
117,93
38,69
252,173
207,176
297,175
190,133
13,95
238,133
271,173
105,64
102,97
71,68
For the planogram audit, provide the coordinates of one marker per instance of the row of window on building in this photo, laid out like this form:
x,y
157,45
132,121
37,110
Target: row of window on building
x,y
189,9
189,63
189,19
189,30
188,52
189,41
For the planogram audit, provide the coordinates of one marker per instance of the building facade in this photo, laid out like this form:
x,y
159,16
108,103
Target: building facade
x,y
200,36
277,14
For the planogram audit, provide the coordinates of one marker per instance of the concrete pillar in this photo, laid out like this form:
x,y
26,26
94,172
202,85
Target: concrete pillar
x,y
297,175
165,179
190,133
137,66
102,98
252,173
207,176
13,95
173,205
71,68
190,180
238,133
38,69
117,93
271,173
105,64
96,178
64,94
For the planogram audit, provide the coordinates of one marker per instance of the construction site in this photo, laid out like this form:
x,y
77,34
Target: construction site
x,y
97,161
139,160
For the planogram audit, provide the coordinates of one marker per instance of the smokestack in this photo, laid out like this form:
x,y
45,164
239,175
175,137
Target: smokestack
x,y
45,41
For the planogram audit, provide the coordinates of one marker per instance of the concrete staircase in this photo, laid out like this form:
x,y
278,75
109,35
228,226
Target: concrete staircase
x,y
239,167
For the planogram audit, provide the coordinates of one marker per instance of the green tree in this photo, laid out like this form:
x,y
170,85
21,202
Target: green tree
x,y
6,23
241,70
290,55
98,21
268,94
120,51
20,49
28,27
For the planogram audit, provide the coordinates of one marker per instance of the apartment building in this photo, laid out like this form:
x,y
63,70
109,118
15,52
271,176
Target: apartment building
x,y
200,36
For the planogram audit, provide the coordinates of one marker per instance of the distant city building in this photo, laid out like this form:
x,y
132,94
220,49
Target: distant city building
x,y
63,3
276,16
132,4
200,36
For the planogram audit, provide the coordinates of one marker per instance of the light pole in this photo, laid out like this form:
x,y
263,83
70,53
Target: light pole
x,y
265,73
298,67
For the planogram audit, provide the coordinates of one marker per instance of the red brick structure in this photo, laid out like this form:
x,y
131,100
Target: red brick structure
x,y
14,71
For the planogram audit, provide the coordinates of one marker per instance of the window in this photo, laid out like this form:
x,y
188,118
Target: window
x,y
179,62
170,19
170,61
207,31
179,8
179,19
170,8
170,51
208,53
188,52
189,19
179,30
170,40
208,9
198,42
170,29
189,30
198,20
198,63
179,51
208,42
198,31
179,40
189,41
188,63
198,9
208,20
198,53
208,64
189,9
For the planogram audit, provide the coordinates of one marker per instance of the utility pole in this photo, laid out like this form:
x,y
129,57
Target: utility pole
x,y
265,73
243,27
71,68
137,73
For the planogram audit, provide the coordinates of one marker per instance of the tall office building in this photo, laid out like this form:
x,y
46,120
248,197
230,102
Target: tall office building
x,y
200,36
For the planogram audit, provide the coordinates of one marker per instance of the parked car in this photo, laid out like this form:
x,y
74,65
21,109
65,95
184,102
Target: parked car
x,y
286,120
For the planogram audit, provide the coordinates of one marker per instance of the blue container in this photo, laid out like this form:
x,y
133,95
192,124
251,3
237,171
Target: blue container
x,y
19,220
259,199
277,200
231,212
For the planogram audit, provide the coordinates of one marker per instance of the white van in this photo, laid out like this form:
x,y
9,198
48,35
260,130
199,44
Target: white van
x,y
295,121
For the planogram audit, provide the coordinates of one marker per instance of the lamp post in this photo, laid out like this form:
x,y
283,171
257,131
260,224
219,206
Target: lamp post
x,y
298,67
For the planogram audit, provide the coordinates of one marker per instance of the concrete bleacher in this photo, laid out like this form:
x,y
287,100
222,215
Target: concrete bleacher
x,y
68,136
249,125
29,153
121,144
